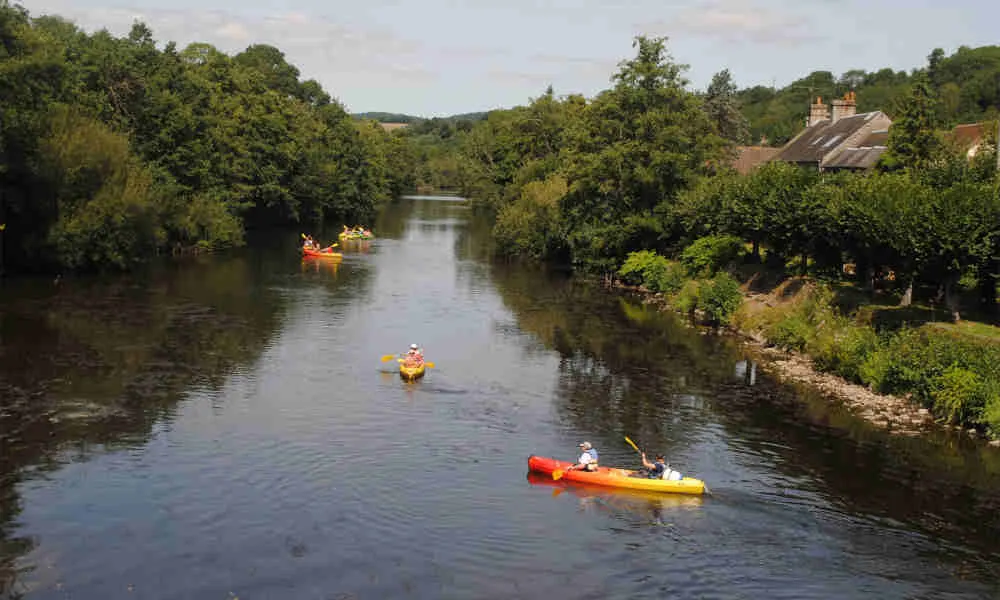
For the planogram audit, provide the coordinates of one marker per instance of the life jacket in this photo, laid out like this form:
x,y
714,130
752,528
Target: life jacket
x,y
593,453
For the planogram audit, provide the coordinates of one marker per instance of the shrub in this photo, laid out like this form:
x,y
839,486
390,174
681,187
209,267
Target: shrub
x,y
686,299
843,348
957,395
719,298
707,255
642,267
671,279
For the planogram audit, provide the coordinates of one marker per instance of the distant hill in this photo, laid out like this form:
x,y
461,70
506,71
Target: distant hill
x,y
386,117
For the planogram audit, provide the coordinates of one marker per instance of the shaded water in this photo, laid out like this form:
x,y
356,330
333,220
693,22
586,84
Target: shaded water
x,y
224,427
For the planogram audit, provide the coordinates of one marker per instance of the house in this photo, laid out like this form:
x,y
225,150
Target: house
x,y
748,157
843,140
967,138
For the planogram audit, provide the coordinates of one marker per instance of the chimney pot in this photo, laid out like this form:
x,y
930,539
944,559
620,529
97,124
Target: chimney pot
x,y
844,108
817,112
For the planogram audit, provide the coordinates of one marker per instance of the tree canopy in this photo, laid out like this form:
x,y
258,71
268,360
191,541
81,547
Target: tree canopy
x,y
112,149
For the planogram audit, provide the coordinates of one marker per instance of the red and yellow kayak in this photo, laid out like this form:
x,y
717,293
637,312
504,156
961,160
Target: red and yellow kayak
x,y
411,372
324,253
617,478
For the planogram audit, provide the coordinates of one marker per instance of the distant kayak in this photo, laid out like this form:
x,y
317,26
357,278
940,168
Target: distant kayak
x,y
348,237
618,478
324,253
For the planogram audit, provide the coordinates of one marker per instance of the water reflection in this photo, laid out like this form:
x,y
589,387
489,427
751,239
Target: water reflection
x,y
643,507
627,369
325,266
91,365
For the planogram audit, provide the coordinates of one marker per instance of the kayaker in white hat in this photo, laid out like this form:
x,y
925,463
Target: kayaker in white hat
x,y
414,355
587,460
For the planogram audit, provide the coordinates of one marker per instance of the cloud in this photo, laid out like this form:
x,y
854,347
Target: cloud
x,y
233,31
321,48
578,66
520,77
737,22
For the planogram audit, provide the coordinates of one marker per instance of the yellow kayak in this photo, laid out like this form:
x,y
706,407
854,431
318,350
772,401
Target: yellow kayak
x,y
348,237
411,373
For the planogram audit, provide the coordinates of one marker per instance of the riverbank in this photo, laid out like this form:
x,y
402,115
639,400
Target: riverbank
x,y
900,414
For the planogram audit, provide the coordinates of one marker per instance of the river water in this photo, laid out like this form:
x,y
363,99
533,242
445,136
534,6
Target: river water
x,y
222,427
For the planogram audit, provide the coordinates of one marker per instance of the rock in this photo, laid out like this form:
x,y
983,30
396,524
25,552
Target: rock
x,y
995,443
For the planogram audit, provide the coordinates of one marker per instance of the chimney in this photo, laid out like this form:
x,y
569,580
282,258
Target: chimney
x,y
817,112
847,107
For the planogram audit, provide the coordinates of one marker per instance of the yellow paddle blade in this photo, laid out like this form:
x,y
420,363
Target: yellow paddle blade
x,y
388,357
429,365
557,474
631,443
303,235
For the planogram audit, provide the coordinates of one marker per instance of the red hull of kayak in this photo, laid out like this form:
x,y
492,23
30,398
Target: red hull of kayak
x,y
321,253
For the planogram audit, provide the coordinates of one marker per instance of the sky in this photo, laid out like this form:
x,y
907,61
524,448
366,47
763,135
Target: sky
x,y
442,57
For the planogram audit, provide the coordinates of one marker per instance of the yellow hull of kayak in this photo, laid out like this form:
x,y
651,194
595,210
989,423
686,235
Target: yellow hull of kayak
x,y
411,373
346,237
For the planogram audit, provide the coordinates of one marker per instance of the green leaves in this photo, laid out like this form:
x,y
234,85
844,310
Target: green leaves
x,y
112,149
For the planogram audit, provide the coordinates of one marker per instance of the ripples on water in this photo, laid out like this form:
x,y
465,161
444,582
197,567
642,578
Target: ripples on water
x,y
223,427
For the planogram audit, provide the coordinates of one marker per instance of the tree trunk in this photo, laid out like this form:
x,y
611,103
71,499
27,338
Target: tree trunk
x,y
805,264
907,298
756,251
951,299
987,285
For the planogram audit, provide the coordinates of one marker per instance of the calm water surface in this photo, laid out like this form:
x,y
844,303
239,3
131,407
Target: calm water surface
x,y
223,427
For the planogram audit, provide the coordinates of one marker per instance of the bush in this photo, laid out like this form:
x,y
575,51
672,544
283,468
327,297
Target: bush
x,y
643,267
671,279
843,348
708,255
686,299
653,271
719,298
957,395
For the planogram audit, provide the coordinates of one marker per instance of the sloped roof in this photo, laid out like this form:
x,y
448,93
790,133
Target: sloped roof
x,y
968,135
855,158
862,155
749,157
823,137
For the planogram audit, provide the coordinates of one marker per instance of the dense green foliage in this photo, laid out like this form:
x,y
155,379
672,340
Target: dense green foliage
x,y
635,183
718,297
954,375
112,150
964,83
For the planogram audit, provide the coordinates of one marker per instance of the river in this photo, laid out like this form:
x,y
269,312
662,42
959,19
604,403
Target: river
x,y
222,427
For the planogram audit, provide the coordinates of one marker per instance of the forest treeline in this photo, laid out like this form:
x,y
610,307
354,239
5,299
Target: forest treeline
x,y
637,184
645,166
113,150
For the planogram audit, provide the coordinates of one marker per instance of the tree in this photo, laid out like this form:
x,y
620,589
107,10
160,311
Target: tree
x,y
635,147
913,142
723,109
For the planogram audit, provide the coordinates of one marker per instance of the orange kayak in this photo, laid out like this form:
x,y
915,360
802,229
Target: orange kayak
x,y
617,478
324,253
